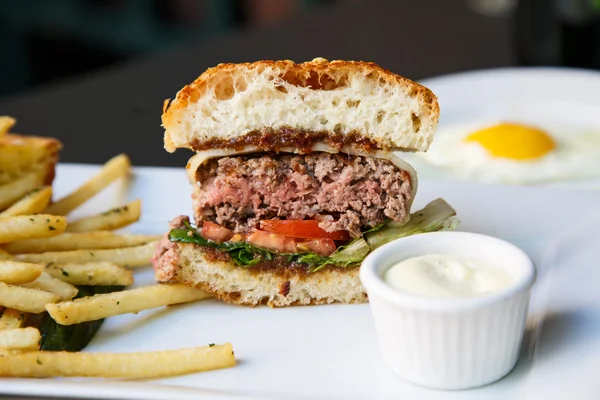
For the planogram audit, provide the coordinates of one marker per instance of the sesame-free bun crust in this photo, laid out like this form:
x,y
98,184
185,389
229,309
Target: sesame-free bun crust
x,y
275,288
272,104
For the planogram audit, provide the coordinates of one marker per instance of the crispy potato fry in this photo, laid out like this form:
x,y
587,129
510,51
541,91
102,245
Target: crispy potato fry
x,y
20,339
31,226
6,123
21,154
25,299
93,274
54,285
34,202
136,256
116,303
5,352
11,192
12,319
109,220
78,241
155,364
19,272
115,168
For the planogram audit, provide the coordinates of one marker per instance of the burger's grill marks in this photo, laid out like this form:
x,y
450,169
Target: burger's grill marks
x,y
269,139
345,192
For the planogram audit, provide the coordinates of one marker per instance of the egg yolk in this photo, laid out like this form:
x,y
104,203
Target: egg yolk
x,y
513,141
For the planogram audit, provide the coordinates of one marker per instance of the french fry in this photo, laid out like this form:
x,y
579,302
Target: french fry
x,y
12,319
136,256
11,192
20,339
109,220
6,123
4,255
24,299
93,274
116,303
78,241
34,202
5,352
21,154
19,272
48,283
155,364
31,226
115,168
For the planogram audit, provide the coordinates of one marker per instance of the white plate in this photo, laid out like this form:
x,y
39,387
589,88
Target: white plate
x,y
546,97
330,352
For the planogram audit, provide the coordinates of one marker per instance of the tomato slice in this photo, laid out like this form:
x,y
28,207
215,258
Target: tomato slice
x,y
273,241
303,229
285,244
322,247
216,232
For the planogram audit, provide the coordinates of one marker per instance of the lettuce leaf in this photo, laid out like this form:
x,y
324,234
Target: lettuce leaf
x,y
350,254
435,216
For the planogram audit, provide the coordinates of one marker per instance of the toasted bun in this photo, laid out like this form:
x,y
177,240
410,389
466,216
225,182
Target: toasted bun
x,y
273,104
21,154
277,288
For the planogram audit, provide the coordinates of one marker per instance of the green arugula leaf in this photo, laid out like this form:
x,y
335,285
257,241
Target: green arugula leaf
x,y
242,253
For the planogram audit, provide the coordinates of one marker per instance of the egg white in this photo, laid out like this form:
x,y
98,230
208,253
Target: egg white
x,y
575,157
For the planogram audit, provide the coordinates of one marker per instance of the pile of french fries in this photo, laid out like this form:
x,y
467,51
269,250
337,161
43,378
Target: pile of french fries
x,y
44,256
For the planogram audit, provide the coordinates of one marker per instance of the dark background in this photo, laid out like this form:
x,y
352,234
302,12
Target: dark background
x,y
94,73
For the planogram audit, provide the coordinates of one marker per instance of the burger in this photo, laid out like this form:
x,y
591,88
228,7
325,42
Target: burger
x,y
294,178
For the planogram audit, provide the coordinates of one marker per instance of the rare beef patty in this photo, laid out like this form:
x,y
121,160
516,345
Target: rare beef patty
x,y
344,192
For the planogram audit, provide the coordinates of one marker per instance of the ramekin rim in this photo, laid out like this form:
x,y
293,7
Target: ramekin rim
x,y
375,284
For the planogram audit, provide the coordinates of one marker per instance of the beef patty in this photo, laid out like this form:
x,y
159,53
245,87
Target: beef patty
x,y
344,192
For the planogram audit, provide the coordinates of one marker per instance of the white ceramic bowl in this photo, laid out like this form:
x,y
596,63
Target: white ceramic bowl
x,y
449,343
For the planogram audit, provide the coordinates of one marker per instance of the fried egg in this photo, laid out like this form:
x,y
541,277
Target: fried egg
x,y
511,153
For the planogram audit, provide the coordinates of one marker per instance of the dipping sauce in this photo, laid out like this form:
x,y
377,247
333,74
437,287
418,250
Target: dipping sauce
x,y
444,276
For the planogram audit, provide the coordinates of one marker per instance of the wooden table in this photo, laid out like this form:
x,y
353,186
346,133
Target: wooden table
x,y
118,110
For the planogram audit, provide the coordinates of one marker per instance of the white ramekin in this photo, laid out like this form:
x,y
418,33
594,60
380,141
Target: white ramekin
x,y
449,343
